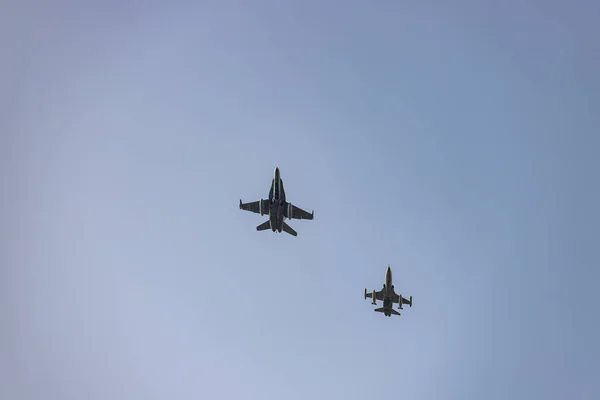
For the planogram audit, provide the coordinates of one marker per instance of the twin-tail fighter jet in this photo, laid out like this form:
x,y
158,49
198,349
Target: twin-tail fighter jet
x,y
388,296
277,208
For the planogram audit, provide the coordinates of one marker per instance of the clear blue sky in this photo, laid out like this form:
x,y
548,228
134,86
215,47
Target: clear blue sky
x,y
456,141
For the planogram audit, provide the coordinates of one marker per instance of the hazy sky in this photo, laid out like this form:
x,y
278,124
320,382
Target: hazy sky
x,y
456,141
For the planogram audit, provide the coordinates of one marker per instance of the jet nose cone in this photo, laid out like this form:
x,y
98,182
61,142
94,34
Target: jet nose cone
x,y
276,173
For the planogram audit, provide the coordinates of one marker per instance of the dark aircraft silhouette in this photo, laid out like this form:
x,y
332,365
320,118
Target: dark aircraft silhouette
x,y
389,296
277,208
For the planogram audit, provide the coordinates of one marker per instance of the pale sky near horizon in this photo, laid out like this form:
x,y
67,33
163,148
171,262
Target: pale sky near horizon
x,y
457,143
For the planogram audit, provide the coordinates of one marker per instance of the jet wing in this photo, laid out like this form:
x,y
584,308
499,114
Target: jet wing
x,y
397,299
298,213
253,206
378,295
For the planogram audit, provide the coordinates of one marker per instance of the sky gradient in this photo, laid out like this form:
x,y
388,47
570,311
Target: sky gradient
x,y
457,143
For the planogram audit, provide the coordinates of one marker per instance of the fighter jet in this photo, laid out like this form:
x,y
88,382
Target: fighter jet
x,y
389,296
277,208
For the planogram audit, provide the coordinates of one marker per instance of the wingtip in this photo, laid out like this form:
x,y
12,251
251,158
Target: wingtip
x,y
240,204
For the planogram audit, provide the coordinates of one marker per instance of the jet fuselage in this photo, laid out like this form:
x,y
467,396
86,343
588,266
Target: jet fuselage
x,y
277,203
388,292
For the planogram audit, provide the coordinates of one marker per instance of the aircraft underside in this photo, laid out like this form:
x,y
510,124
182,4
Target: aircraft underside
x,y
388,296
276,208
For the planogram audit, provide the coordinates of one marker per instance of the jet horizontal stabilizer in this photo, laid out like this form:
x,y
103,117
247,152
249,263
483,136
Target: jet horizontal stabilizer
x,y
288,229
264,226
390,310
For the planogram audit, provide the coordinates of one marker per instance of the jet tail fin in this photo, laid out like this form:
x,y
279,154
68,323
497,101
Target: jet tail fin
x,y
264,226
391,310
289,229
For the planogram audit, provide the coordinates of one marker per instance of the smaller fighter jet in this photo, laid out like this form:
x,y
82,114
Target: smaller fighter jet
x,y
388,296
